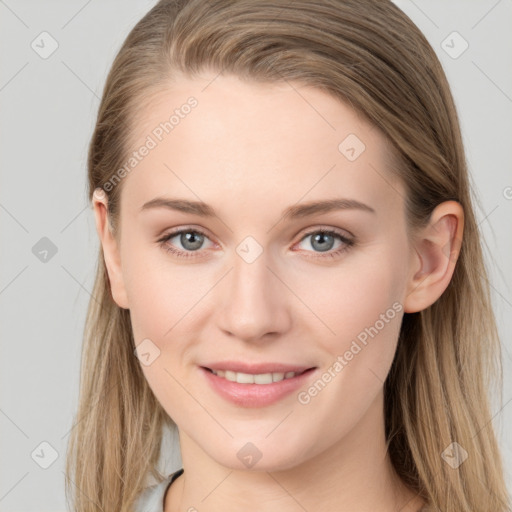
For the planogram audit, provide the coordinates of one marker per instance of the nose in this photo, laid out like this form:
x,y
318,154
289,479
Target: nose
x,y
254,302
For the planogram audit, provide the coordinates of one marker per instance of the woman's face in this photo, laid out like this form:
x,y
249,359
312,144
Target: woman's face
x,y
247,284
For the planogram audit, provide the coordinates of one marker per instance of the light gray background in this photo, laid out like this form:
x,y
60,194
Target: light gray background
x,y
48,112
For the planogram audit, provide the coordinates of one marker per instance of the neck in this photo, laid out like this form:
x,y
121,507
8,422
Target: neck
x,y
353,475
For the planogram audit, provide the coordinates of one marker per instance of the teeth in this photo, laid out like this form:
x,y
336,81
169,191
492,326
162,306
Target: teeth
x,y
249,378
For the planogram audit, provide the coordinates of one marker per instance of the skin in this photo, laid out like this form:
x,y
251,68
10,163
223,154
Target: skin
x,y
250,150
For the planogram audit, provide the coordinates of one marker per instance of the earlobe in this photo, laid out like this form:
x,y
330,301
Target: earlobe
x,y
437,248
110,248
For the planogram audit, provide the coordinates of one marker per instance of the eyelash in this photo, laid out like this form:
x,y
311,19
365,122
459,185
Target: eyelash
x,y
348,243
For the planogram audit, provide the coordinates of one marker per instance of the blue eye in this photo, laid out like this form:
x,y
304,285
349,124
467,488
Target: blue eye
x,y
192,241
323,241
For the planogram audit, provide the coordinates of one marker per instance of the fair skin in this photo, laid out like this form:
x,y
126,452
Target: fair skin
x,y
251,150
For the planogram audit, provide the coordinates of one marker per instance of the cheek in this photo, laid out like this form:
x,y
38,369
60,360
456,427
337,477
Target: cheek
x,y
353,296
161,296
159,292
360,308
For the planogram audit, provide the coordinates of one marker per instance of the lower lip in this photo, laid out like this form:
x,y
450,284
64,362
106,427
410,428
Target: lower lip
x,y
255,395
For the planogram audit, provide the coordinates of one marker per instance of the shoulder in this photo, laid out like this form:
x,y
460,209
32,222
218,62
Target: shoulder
x,y
152,498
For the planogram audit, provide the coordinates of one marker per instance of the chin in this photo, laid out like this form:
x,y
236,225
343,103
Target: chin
x,y
258,455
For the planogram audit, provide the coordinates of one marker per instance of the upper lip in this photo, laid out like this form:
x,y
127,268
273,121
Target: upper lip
x,y
256,368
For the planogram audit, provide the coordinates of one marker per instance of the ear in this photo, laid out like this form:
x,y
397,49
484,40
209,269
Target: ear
x,y
110,247
436,250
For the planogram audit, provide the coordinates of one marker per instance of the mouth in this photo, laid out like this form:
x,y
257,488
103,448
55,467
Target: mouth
x,y
256,378
259,387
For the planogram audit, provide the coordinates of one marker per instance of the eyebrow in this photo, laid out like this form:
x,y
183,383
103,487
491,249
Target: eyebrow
x,y
292,212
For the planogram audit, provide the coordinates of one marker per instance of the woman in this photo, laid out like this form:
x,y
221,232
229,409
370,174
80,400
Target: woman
x,y
233,141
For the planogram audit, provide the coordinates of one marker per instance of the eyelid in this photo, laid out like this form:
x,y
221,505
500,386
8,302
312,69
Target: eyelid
x,y
165,234
344,233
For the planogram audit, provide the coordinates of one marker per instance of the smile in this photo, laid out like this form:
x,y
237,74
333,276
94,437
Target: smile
x,y
249,378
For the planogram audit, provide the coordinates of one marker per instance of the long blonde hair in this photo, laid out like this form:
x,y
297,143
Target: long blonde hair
x,y
367,53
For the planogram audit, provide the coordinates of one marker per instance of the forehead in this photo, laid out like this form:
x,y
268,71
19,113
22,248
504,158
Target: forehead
x,y
220,139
